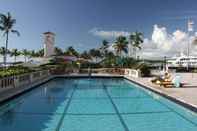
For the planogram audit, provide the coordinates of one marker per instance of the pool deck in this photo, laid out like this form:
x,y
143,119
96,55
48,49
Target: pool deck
x,y
184,95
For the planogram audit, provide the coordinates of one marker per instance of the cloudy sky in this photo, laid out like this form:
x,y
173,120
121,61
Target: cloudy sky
x,y
85,23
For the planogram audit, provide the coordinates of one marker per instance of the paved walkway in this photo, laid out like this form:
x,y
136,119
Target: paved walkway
x,y
186,95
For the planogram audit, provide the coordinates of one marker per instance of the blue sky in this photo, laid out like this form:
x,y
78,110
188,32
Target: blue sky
x,y
74,20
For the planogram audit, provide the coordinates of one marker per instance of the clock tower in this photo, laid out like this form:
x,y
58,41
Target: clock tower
x,y
49,42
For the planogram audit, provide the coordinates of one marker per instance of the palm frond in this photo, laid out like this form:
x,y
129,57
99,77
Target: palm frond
x,y
16,32
4,34
2,17
1,28
125,50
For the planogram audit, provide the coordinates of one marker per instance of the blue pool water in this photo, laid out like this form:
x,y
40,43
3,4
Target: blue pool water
x,y
94,105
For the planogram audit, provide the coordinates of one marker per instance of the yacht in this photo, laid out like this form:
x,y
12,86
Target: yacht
x,y
182,61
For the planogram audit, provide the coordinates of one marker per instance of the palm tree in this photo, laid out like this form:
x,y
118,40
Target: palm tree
x,y
40,53
85,55
71,51
136,39
2,51
32,53
14,53
104,47
25,53
95,54
121,45
110,59
58,51
6,25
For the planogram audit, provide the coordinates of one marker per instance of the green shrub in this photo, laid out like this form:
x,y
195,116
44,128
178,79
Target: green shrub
x,y
15,70
145,70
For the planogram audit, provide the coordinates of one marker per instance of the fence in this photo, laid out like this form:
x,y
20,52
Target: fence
x,y
6,82
20,80
132,73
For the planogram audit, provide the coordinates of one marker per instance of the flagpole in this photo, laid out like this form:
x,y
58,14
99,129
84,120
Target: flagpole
x,y
190,29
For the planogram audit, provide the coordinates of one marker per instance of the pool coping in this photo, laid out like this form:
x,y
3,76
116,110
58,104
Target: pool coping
x,y
179,101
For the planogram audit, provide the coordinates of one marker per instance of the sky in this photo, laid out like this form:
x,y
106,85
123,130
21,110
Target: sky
x,y
83,24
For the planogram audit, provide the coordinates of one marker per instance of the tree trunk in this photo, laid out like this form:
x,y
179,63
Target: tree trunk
x,y
25,59
6,49
134,51
130,50
15,59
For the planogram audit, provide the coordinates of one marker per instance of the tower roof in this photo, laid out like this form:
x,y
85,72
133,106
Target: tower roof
x,y
51,33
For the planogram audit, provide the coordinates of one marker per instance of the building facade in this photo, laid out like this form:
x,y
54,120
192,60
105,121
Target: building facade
x,y
49,42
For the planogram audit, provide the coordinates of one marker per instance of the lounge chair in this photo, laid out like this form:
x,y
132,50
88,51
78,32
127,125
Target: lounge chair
x,y
168,82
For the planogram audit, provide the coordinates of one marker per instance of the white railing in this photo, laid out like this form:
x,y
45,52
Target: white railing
x,y
132,73
21,80
7,82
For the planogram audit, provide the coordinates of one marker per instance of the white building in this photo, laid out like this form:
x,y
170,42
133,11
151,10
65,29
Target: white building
x,y
49,42
182,61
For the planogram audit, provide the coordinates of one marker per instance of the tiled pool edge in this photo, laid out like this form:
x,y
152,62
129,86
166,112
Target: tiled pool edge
x,y
179,101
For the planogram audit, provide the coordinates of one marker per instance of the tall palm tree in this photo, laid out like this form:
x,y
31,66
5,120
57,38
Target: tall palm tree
x,y
71,51
25,53
40,53
2,52
6,25
95,53
136,39
85,55
121,45
110,59
58,51
32,53
104,47
15,53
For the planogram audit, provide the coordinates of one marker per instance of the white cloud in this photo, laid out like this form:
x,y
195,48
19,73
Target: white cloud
x,y
108,34
163,43
179,36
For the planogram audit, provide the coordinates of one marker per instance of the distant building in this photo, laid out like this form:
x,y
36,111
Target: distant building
x,y
182,61
49,42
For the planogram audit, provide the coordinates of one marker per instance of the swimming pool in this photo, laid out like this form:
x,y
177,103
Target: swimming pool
x,y
96,104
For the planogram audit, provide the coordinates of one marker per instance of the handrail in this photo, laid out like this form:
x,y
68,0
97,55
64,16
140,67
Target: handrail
x,y
132,73
18,80
5,82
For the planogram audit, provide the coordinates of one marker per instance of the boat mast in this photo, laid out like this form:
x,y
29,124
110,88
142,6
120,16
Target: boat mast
x,y
190,30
